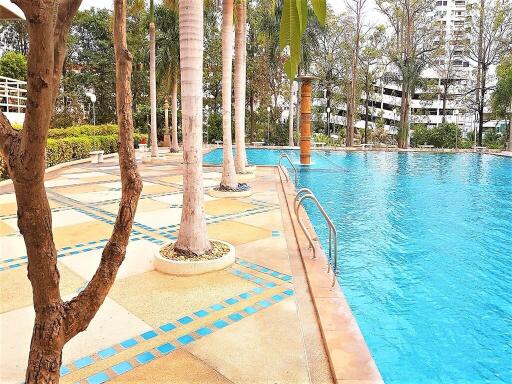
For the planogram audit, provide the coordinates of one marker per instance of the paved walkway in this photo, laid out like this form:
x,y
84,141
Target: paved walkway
x,y
252,323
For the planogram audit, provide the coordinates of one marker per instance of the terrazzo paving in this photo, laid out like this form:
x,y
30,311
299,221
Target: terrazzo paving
x,y
246,324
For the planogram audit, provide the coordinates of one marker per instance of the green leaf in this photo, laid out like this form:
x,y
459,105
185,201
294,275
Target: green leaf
x,y
320,9
302,8
293,25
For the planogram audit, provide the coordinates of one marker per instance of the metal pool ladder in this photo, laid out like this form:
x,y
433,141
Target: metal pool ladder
x,y
285,156
306,194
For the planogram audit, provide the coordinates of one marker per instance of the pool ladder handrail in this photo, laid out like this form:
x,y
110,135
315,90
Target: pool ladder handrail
x,y
283,156
306,194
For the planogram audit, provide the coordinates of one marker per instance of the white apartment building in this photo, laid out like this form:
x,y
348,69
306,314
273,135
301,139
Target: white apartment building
x,y
13,99
450,18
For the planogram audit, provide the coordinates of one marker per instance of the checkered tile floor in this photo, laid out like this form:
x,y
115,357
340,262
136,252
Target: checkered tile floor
x,y
201,321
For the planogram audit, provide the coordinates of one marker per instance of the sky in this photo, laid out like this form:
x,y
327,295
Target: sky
x,y
337,5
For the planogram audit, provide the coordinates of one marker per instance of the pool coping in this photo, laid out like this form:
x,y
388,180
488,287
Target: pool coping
x,y
349,357
488,151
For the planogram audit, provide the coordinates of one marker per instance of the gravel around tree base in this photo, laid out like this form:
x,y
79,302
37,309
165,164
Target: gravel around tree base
x,y
242,187
217,251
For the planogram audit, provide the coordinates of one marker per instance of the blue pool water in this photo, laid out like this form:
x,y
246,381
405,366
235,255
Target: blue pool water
x,y
425,257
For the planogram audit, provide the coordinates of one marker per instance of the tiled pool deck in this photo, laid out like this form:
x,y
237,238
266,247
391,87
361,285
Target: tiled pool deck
x,y
270,318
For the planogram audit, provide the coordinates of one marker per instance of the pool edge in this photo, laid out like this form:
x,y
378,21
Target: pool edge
x,y
349,357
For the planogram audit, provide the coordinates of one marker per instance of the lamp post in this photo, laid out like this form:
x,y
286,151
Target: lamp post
x,y
474,128
456,113
90,94
328,121
207,108
395,113
508,147
268,126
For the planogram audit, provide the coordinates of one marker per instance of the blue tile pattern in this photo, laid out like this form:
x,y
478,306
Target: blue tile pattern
x,y
204,331
122,367
149,335
186,339
129,343
106,353
167,327
83,362
145,357
166,348
98,378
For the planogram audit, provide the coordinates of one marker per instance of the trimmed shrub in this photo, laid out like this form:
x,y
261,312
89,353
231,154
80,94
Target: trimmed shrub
x,y
83,130
75,148
442,136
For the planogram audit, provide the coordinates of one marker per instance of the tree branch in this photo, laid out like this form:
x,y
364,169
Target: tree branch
x,y
81,310
66,12
7,136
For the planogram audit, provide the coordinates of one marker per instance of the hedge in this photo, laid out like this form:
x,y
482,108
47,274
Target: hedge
x,y
75,148
83,130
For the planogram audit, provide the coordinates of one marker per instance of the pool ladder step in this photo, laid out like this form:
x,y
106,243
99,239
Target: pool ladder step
x,y
285,156
332,260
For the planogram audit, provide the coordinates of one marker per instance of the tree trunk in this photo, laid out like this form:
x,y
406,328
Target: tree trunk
x,y
240,85
251,107
175,147
481,105
479,70
229,179
367,108
152,89
403,132
290,117
445,96
166,115
192,237
57,322
510,129
351,104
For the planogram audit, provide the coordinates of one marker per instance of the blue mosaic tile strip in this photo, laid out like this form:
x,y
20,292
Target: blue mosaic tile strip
x,y
165,328
66,251
98,378
267,271
122,367
254,279
168,347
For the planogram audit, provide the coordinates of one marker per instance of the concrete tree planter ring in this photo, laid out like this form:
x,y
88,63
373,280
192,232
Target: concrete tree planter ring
x,y
246,176
233,194
191,268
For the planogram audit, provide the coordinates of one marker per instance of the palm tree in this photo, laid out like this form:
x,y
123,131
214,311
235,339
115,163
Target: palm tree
x,y
192,237
229,179
240,84
168,61
152,79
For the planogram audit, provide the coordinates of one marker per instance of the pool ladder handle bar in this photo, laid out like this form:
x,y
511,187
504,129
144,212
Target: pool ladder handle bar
x,y
283,156
305,194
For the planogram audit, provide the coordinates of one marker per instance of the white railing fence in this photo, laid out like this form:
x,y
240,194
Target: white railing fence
x,y
13,95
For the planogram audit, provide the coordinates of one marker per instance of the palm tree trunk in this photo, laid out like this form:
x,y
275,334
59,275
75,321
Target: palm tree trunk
x,y
240,84
510,129
174,112
229,179
192,237
152,89
290,117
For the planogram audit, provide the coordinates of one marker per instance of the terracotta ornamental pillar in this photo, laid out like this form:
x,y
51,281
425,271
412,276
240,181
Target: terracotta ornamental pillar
x,y
305,118
167,134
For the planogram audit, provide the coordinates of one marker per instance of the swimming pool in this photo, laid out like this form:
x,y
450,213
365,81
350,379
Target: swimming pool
x,y
425,256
